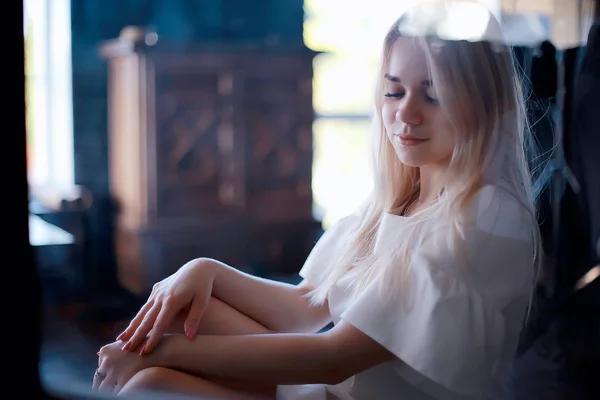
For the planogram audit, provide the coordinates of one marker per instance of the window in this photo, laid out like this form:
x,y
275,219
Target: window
x,y
48,92
350,35
343,90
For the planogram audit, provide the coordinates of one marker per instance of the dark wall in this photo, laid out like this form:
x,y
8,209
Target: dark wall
x,y
268,22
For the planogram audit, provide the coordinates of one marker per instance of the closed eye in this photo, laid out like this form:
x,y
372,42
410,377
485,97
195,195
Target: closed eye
x,y
400,95
433,101
394,95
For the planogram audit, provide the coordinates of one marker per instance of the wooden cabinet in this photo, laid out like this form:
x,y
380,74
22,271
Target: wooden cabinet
x,y
210,154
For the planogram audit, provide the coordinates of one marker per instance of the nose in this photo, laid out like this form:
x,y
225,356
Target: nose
x,y
408,111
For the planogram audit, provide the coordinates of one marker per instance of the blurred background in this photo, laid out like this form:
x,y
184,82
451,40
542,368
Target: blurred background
x,y
163,130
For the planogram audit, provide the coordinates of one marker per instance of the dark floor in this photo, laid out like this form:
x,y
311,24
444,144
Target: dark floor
x,y
70,342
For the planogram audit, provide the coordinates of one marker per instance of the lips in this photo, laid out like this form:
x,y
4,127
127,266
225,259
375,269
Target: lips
x,y
409,141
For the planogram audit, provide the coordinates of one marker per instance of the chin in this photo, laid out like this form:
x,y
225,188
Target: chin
x,y
411,159
412,163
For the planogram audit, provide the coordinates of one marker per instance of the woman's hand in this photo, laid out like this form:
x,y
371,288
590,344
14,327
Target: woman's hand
x,y
116,368
189,288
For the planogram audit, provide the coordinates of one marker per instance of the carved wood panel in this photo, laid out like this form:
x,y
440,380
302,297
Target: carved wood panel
x,y
199,163
279,144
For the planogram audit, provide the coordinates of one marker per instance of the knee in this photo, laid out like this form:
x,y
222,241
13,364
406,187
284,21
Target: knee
x,y
147,380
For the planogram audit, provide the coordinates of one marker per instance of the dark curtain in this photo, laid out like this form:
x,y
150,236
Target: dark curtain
x,y
560,346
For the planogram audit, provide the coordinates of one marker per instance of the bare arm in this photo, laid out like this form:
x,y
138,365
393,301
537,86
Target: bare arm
x,y
278,306
329,357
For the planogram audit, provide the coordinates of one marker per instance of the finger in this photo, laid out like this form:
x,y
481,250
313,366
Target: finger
x,y
142,331
97,380
163,322
118,388
197,309
136,321
107,385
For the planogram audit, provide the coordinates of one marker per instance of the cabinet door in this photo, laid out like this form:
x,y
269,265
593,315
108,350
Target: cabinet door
x,y
199,150
278,122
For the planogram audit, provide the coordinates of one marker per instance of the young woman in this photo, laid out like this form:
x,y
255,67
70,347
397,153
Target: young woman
x,y
427,285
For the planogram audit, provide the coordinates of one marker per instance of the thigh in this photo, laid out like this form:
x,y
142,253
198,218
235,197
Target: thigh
x,y
164,380
221,319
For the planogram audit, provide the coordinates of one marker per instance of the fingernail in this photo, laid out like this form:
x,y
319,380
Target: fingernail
x,y
127,345
190,332
143,351
98,353
120,336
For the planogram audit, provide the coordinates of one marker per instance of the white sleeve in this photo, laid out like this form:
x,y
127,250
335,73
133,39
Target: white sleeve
x,y
324,253
444,331
448,325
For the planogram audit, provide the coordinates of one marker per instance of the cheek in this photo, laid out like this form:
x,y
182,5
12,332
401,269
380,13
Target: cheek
x,y
446,147
445,136
387,115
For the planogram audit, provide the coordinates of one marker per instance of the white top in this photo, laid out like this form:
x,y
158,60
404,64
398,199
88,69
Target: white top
x,y
457,338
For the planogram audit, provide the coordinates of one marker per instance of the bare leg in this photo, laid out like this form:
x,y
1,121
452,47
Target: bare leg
x,y
163,380
222,319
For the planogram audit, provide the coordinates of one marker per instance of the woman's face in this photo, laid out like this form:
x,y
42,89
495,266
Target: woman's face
x,y
415,124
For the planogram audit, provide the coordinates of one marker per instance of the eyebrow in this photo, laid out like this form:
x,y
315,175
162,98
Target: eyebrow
x,y
426,82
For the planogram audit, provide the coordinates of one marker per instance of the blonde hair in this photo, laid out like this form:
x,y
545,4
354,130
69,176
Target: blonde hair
x,y
481,75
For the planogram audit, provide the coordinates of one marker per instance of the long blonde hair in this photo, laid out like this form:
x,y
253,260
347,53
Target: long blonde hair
x,y
481,75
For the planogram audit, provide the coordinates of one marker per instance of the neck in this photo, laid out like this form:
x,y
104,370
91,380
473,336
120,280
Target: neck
x,y
433,179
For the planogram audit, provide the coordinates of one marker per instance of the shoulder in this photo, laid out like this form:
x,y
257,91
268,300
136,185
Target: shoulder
x,y
495,241
330,244
339,230
344,223
497,212
491,257
334,237
493,218
495,253
494,221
